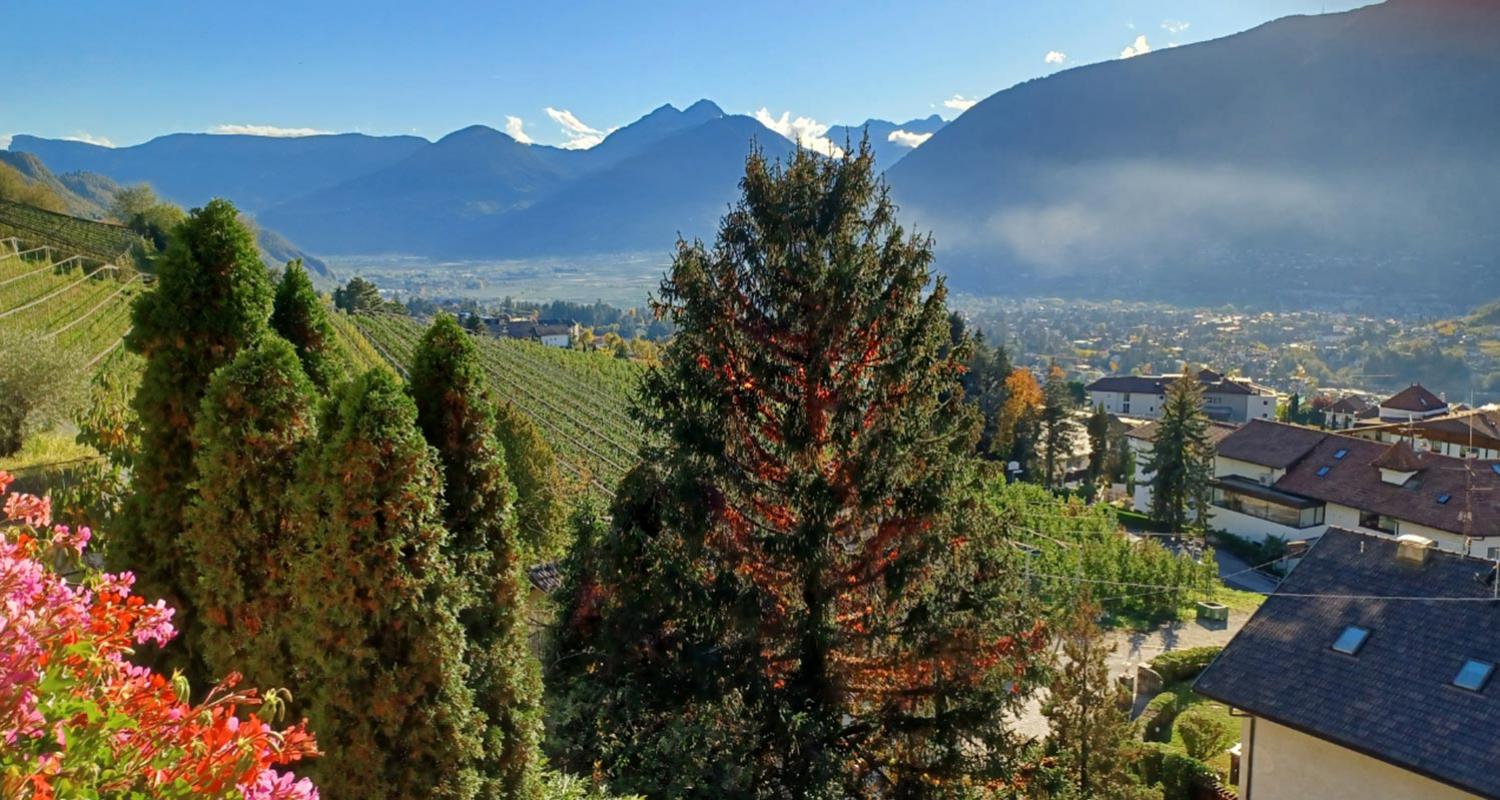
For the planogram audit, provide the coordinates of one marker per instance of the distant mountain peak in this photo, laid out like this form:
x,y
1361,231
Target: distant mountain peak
x,y
705,108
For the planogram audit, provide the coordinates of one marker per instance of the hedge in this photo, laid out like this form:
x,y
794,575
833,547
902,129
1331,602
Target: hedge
x,y
1179,665
1155,722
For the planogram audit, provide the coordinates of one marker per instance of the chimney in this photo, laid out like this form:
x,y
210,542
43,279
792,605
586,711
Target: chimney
x,y
1413,549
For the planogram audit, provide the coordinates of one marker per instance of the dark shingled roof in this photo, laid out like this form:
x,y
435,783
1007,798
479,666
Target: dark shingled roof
x,y
1348,405
1393,700
1399,457
1217,431
1355,481
1415,397
1270,444
1157,384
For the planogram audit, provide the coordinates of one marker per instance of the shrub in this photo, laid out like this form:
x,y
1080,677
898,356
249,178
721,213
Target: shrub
x,y
1180,665
37,390
1204,733
1181,775
77,719
1155,723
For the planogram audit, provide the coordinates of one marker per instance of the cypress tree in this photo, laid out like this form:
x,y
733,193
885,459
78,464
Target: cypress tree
x,y
791,602
532,468
252,426
1181,457
447,383
298,314
211,300
1099,451
379,641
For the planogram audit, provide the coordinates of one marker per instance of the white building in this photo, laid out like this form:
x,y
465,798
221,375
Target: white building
x,y
1225,399
1413,403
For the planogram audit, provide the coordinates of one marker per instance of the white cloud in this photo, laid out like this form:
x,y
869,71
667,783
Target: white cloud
x,y
960,103
267,130
908,138
1175,26
580,135
805,131
514,126
90,139
1139,47
5,140
1055,57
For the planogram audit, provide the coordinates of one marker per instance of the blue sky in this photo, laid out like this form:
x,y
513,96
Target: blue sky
x,y
123,72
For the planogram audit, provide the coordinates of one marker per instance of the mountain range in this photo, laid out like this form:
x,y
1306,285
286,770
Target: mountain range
x,y
1350,152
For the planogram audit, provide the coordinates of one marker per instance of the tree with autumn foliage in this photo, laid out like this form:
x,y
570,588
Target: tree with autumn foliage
x,y
378,639
801,595
212,299
458,420
255,421
299,315
1019,424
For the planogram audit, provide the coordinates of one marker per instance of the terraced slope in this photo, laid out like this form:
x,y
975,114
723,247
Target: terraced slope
x,y
77,305
579,401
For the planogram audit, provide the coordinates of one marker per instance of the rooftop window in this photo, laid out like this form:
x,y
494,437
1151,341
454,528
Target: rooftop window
x,y
1323,471
1340,453
1474,675
1496,468
1351,640
1443,499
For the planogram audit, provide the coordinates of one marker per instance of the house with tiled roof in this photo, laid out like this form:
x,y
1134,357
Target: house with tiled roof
x,y
1412,403
1293,482
1225,398
1139,442
1368,675
1470,433
1348,411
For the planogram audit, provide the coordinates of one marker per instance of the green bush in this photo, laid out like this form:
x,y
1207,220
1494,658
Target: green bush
x,y
1180,665
1181,774
38,389
1155,722
1204,733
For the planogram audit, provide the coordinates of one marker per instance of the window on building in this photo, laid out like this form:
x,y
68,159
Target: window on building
x,y
1492,553
1340,453
1443,499
1473,675
1379,522
1351,640
1323,471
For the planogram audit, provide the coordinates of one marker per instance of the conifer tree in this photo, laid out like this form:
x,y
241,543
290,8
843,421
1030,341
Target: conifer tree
x,y
540,511
796,599
1181,457
1089,728
1099,452
984,386
252,427
298,314
379,641
211,300
457,418
1057,427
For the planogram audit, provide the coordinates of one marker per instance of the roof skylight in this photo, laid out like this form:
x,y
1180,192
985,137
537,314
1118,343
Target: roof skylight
x,y
1443,499
1340,453
1351,640
1473,675
1322,471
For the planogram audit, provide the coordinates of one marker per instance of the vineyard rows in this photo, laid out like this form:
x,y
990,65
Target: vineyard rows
x,y
578,401
98,241
83,312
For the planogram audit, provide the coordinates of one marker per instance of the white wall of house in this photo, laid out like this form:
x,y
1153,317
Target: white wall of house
x,y
1279,763
1128,404
1388,414
1343,516
1256,529
1256,472
558,340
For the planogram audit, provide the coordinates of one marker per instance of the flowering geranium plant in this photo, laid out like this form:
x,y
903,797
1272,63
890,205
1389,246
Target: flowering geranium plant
x,y
77,719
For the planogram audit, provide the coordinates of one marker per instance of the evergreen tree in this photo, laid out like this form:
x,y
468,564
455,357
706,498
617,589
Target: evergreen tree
x,y
379,642
1099,452
211,300
1089,727
456,416
254,421
299,316
798,598
1181,457
358,295
1057,426
540,510
985,387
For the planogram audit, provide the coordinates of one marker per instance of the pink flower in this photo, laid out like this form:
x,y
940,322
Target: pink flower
x,y
30,509
6,479
155,624
273,785
62,536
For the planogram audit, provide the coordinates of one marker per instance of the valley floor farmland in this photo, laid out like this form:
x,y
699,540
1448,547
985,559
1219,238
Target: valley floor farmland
x,y
579,401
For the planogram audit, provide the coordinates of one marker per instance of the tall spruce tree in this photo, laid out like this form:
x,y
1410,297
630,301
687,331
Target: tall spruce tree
x,y
793,601
211,300
379,643
1099,452
458,419
1057,426
252,427
298,314
984,386
1181,457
